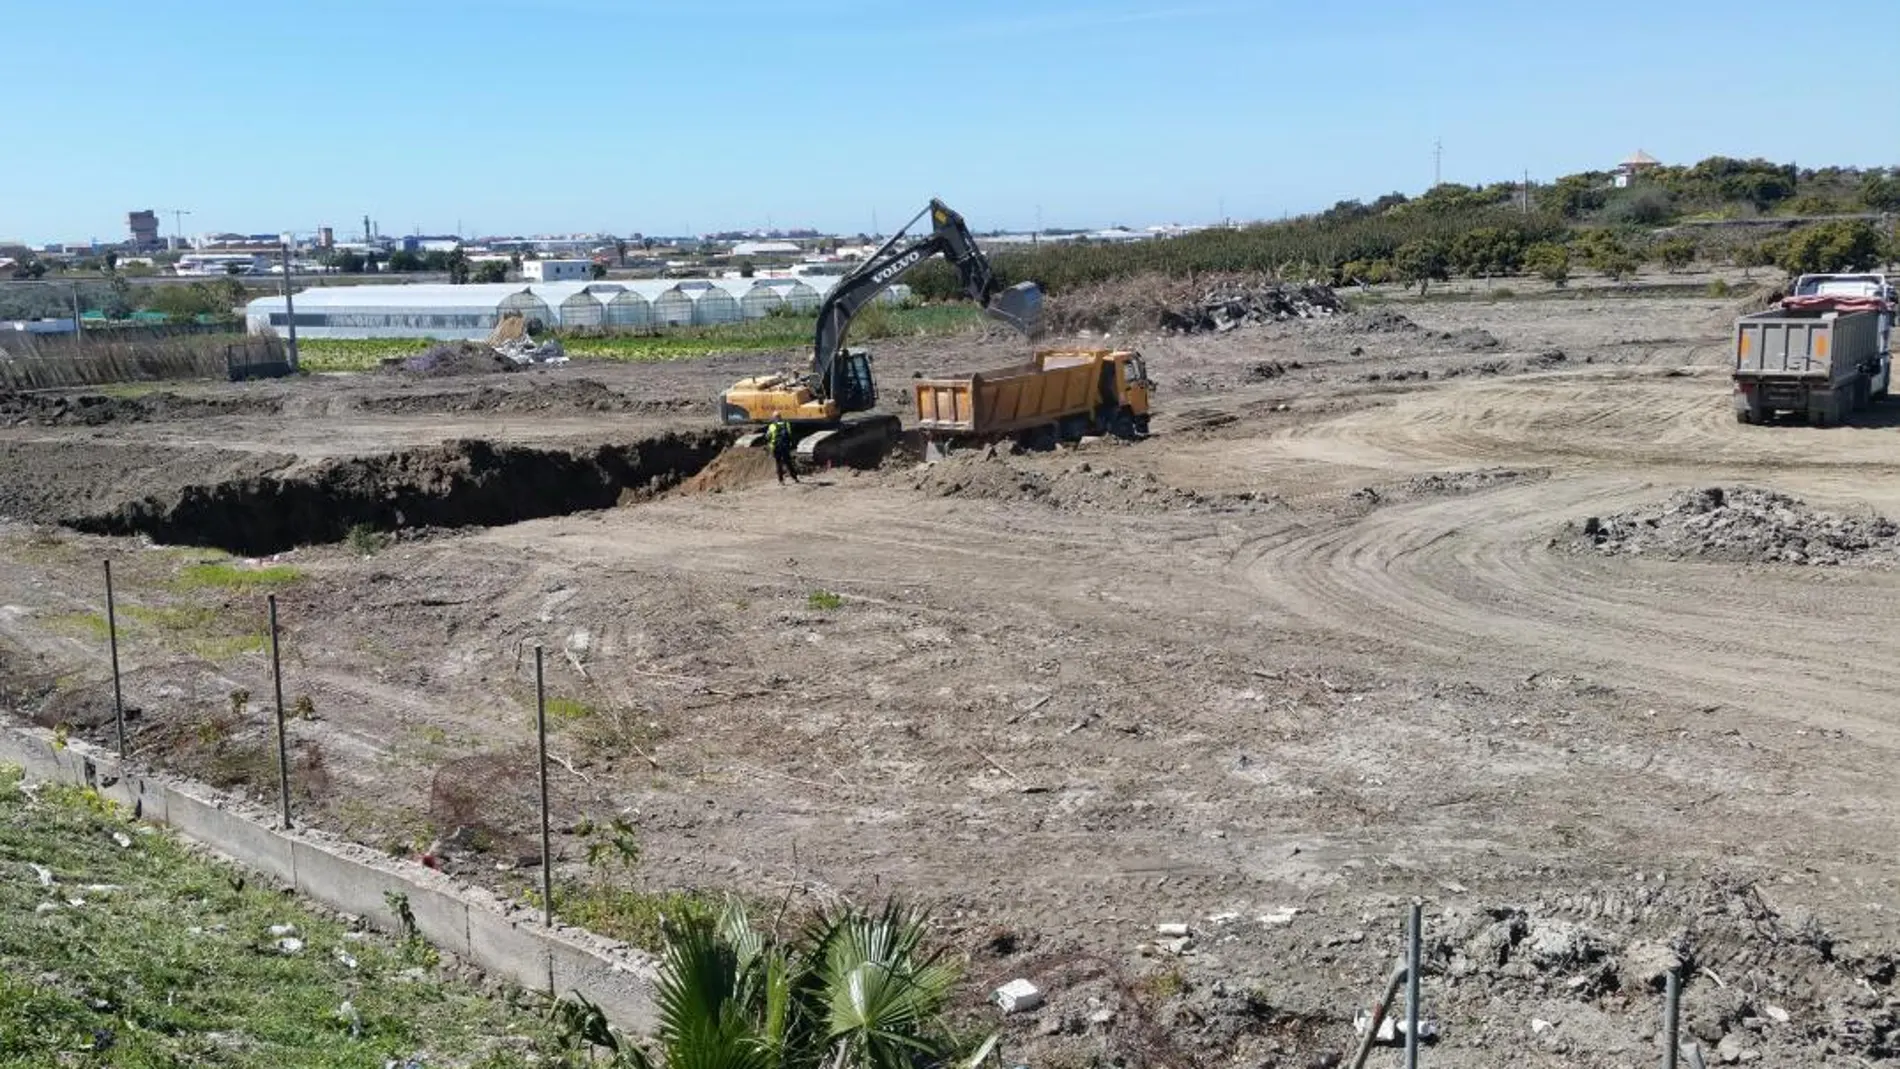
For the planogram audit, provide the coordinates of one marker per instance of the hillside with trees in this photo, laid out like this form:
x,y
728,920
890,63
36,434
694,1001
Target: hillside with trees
x,y
1743,213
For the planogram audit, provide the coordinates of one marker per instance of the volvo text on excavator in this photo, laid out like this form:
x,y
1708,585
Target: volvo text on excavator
x,y
831,408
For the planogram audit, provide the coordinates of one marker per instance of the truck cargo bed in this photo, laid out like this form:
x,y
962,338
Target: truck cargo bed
x,y
1828,347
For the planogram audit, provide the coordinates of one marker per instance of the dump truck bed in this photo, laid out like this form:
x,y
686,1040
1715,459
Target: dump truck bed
x,y
1021,396
1824,346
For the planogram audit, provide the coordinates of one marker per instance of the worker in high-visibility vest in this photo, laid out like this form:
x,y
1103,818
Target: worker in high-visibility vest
x,y
778,437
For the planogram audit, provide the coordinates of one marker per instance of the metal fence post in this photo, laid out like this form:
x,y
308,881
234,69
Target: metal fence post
x,y
1413,943
541,744
1672,1009
277,682
112,640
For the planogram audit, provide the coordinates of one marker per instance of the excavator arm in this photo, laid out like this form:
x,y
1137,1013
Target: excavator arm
x,y
1020,305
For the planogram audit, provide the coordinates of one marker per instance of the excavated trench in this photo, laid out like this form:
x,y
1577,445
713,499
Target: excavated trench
x,y
466,483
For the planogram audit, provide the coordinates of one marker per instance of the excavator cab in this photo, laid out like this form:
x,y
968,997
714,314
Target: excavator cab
x,y
857,390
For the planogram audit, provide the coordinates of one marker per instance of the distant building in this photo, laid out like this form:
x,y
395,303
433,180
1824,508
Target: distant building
x,y
326,237
555,270
1635,167
766,248
144,228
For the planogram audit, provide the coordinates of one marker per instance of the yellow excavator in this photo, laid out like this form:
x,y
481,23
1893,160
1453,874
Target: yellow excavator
x,y
831,408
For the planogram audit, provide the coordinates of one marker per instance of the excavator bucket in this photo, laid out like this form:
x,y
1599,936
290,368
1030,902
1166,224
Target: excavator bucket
x,y
1020,306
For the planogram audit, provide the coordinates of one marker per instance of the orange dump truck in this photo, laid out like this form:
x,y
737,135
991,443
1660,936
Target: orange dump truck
x,y
1060,394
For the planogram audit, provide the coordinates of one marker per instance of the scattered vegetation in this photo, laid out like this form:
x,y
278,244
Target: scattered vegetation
x,y
365,540
105,964
232,576
823,601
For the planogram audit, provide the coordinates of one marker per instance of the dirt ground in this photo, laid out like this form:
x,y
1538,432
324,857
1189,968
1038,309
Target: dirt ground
x,y
1320,645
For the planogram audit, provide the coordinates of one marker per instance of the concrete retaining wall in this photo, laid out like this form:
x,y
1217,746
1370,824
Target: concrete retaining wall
x,y
463,921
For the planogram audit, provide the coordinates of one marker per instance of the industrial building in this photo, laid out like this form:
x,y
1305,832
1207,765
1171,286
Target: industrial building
x,y
448,312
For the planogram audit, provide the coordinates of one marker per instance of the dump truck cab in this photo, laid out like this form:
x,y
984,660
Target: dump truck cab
x,y
1125,386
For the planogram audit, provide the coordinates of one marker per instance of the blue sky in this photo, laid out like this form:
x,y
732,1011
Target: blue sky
x,y
624,115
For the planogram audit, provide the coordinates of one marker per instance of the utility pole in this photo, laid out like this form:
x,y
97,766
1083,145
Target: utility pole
x,y
1438,163
290,311
1527,191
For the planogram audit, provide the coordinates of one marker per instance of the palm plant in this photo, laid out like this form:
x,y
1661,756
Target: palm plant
x,y
852,989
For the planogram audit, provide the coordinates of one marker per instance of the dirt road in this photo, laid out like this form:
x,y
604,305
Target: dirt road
x,y
1306,653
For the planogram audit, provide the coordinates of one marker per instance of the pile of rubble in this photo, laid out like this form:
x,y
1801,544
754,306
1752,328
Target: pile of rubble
x,y
525,350
1236,302
1155,302
453,358
1741,525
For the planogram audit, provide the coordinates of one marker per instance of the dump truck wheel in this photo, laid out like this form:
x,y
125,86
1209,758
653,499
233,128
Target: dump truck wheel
x,y
1121,425
1743,415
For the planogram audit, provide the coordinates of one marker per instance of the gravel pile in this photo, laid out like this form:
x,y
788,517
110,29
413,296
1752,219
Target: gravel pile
x,y
1743,525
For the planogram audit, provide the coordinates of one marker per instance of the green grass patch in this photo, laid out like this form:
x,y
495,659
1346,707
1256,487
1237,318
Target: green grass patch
x,y
211,633
627,914
569,710
89,624
236,577
677,343
170,960
823,601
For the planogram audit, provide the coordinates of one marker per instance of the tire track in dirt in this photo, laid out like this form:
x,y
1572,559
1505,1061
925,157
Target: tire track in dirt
x,y
1472,582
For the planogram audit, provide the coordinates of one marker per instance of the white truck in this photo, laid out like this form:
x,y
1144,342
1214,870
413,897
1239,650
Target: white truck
x,y
1824,353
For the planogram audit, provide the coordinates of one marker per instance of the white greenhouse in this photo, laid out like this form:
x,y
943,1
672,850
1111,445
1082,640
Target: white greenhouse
x,y
438,310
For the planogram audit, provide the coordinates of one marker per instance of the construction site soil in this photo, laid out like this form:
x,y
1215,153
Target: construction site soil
x,y
1332,638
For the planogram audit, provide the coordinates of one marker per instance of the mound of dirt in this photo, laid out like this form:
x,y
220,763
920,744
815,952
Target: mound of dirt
x,y
1444,483
1378,321
734,469
1155,302
1739,524
576,395
455,358
1087,486
92,410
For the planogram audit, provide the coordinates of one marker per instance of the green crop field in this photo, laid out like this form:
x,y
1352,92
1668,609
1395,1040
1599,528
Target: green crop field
x,y
680,343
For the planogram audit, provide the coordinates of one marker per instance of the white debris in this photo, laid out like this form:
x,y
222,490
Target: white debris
x,y
46,907
283,929
1177,947
1281,917
45,874
348,1014
1539,1026
290,946
1171,930
1017,996
1223,918
1388,1033
124,840
101,888
344,957
75,902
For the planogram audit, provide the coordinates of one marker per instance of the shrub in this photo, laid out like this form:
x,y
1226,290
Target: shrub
x,y
1675,253
1548,261
1842,245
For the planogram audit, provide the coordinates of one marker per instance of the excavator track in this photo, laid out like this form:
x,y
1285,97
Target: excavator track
x,y
859,442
